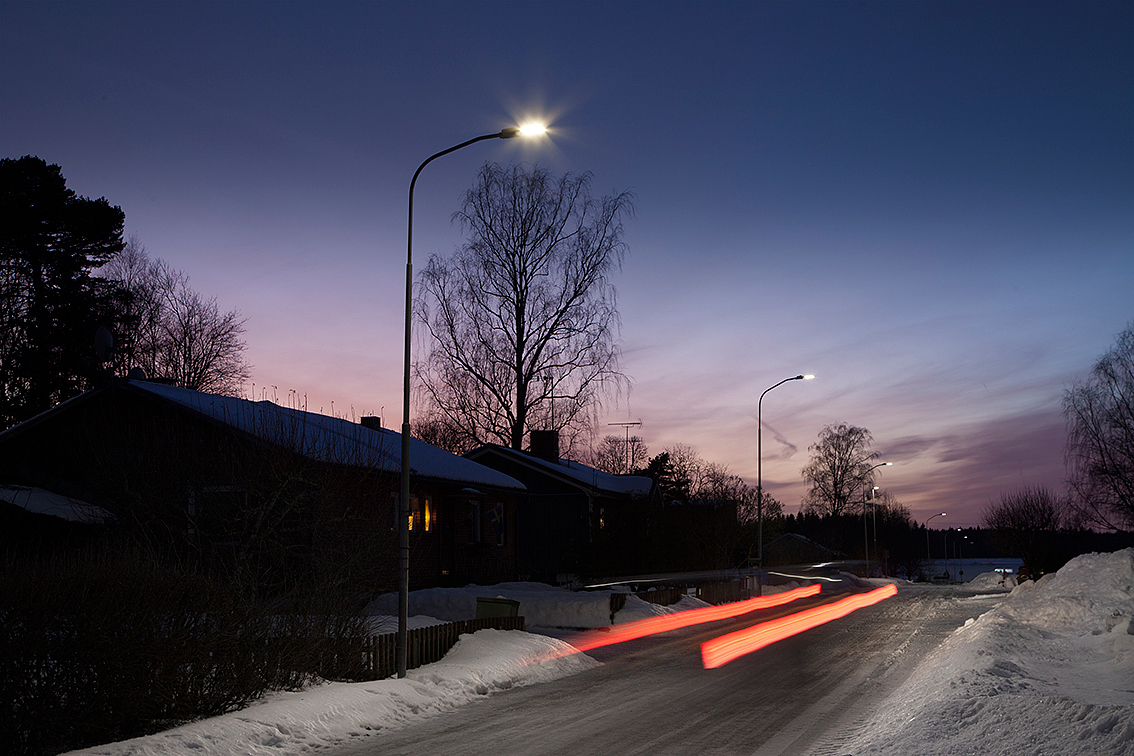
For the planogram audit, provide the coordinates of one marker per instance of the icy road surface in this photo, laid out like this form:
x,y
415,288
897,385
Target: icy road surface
x,y
652,696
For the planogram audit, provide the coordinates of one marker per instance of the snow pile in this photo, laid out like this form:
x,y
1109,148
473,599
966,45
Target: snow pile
x,y
993,581
540,605
636,608
337,713
1048,671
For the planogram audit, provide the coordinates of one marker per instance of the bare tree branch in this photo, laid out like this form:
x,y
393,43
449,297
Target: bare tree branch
x,y
522,320
1100,437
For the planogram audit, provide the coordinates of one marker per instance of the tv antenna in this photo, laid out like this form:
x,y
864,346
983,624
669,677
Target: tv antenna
x,y
628,426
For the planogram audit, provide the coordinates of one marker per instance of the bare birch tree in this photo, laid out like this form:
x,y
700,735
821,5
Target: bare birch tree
x,y
1100,437
522,319
839,469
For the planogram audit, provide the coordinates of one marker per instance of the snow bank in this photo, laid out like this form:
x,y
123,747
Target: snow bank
x,y
336,713
540,604
993,581
1048,671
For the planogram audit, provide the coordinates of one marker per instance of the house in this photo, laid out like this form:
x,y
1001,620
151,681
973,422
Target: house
x,y
573,520
237,482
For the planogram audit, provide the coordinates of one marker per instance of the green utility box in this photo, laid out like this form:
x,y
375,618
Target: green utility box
x,y
487,608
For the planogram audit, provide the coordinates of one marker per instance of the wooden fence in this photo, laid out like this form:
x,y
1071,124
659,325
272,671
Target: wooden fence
x,y
425,645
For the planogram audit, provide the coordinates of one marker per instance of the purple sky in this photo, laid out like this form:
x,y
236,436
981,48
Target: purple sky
x,y
930,206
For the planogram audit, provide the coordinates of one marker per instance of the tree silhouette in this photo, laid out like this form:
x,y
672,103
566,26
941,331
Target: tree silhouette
x,y
1100,439
50,305
522,319
839,469
170,330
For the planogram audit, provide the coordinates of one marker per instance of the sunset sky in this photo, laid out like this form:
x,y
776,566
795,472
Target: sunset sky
x,y
929,205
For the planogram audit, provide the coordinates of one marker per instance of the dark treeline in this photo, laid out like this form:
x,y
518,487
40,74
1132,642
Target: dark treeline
x,y
899,547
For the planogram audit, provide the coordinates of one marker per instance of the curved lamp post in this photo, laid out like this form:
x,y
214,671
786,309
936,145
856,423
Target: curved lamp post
x,y
928,555
404,510
760,479
865,537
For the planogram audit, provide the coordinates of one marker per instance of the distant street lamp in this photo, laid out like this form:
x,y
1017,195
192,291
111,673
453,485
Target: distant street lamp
x,y
404,510
865,536
958,553
760,479
928,555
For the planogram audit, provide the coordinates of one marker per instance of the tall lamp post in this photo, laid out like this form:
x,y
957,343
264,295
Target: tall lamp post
x,y
760,479
865,536
928,554
404,503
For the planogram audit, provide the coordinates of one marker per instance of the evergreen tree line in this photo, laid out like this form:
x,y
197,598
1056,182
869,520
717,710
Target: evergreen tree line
x,y
79,303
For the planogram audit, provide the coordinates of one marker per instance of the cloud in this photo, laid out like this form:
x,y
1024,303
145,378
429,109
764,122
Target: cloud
x,y
971,467
786,450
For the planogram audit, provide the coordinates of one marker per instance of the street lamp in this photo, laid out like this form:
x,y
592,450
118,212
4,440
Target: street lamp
x,y
958,541
760,479
928,555
865,536
404,511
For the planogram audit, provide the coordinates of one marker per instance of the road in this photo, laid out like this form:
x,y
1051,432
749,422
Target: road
x,y
803,695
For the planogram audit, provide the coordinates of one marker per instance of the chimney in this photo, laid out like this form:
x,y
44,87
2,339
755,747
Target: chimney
x,y
545,445
371,422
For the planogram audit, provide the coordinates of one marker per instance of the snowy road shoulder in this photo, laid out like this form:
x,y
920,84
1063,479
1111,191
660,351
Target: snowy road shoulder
x,y
335,713
1048,671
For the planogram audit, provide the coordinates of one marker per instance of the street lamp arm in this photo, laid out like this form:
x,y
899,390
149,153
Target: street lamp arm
x,y
403,500
508,133
785,380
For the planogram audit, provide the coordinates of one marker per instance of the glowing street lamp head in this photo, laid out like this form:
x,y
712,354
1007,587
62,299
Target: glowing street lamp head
x,y
527,130
808,377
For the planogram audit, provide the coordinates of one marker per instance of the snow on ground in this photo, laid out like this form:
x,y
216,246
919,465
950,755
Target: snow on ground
x,y
334,713
1049,671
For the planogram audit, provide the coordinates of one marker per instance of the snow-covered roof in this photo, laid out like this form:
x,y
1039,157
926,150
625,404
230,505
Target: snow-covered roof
x,y
330,439
42,501
633,485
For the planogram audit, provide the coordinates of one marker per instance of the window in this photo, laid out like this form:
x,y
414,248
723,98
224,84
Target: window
x,y
496,517
474,517
422,515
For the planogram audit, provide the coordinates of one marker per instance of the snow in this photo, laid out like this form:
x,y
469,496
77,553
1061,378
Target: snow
x,y
42,501
1049,670
540,605
336,713
330,438
634,485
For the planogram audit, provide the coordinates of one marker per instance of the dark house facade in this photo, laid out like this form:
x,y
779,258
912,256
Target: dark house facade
x,y
573,522
236,482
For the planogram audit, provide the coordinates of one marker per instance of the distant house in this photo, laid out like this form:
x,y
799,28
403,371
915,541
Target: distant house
x,y
573,520
228,479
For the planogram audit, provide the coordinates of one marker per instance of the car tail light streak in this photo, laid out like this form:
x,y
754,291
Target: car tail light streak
x,y
652,625
726,648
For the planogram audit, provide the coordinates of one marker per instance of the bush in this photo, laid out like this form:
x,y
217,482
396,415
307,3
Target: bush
x,y
105,645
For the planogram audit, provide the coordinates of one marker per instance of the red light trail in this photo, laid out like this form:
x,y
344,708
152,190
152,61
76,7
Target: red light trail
x,y
726,648
652,625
